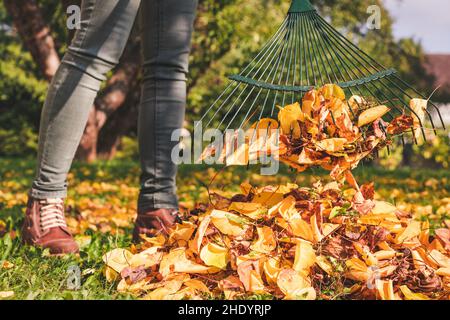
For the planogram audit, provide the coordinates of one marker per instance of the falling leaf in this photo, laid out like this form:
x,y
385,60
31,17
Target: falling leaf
x,y
419,107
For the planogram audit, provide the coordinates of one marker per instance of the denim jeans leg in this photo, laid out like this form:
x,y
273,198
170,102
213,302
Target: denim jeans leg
x,y
95,50
166,36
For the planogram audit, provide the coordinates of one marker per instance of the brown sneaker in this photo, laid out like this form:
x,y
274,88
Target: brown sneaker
x,y
45,226
154,222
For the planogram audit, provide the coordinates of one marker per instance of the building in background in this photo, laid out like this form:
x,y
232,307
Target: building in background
x,y
438,65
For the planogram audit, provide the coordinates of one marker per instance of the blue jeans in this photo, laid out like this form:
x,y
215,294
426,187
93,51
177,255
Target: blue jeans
x,y
166,29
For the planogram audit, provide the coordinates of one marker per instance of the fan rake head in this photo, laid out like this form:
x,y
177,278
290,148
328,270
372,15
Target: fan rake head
x,y
306,52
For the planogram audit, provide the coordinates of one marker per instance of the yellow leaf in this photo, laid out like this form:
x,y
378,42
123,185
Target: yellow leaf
x,y
443,272
252,210
324,264
305,256
271,269
409,295
197,285
288,118
201,230
372,114
227,223
442,260
382,207
176,261
355,102
419,106
110,274
215,256
411,231
268,198
385,289
147,258
6,294
248,272
117,259
266,242
365,253
331,145
246,188
182,231
292,283
332,90
162,293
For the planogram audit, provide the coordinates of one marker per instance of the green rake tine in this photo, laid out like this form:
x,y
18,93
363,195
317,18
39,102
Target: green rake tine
x,y
426,110
276,94
267,46
266,56
312,46
273,40
389,89
309,52
234,104
318,37
291,54
358,51
296,40
370,62
397,77
423,97
304,55
347,67
317,42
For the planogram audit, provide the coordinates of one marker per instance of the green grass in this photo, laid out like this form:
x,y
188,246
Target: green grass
x,y
36,275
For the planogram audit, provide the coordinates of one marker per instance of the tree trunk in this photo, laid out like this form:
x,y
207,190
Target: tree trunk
x,y
35,33
119,124
407,154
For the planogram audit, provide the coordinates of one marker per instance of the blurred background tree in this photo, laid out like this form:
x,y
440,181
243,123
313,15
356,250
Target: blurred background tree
x,y
228,33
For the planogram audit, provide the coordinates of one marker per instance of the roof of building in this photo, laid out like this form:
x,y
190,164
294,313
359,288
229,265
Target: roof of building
x,y
438,65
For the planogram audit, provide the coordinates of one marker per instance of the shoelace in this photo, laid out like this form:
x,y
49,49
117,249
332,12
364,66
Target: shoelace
x,y
52,214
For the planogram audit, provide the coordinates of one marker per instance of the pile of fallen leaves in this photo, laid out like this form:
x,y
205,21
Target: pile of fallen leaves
x,y
326,130
289,242
293,243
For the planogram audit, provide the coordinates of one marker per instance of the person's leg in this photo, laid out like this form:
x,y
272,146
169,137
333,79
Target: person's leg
x,y
166,37
95,49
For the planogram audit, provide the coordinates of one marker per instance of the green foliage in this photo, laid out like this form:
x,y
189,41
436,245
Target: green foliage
x,y
437,151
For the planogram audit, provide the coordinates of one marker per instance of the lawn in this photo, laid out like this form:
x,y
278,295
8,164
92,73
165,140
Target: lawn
x,y
102,203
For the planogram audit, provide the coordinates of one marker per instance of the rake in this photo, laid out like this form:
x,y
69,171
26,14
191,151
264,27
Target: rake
x,y
306,52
